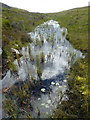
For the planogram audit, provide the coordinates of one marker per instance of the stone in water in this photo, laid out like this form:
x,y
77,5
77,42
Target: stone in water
x,y
57,84
52,83
64,80
43,89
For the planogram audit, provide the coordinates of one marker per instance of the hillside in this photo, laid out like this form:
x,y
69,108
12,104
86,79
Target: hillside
x,y
16,23
76,21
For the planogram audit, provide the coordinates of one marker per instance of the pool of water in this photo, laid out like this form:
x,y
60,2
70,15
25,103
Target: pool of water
x,y
59,55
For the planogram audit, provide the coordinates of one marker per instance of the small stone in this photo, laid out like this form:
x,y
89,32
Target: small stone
x,y
21,61
49,101
60,86
47,113
46,106
43,89
43,104
52,83
45,61
38,98
64,80
57,84
64,86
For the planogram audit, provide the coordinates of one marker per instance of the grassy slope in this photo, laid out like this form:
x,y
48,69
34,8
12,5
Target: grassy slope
x,y
75,20
15,24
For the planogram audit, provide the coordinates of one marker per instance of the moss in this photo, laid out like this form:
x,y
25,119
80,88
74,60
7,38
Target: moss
x,y
9,108
48,39
49,56
42,57
29,49
32,80
67,37
63,33
12,66
76,21
31,57
42,40
39,73
52,42
38,42
6,24
25,38
18,103
77,104
39,69
37,60
16,23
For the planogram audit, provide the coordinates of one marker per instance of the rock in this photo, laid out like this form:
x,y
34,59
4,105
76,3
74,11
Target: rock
x,y
57,84
39,98
43,90
60,86
64,80
0,51
52,83
15,50
47,106
49,101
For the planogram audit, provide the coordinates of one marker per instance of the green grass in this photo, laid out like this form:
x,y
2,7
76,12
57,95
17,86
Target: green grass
x,y
77,105
76,21
16,23
15,104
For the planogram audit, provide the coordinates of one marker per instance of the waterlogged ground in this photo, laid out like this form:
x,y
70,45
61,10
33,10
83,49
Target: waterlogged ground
x,y
47,60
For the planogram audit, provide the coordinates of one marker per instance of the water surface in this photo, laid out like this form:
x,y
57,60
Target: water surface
x,y
59,55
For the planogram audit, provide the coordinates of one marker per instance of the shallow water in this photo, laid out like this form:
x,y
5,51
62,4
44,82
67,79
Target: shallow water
x,y
47,96
59,56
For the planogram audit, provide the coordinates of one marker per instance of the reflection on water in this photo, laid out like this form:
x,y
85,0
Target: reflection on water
x,y
47,96
51,55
